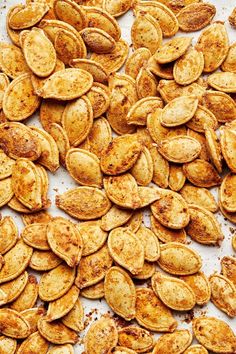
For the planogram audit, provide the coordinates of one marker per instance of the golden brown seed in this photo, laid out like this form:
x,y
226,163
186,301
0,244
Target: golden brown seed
x,y
199,196
55,332
223,294
228,265
173,292
117,8
19,100
227,193
146,84
165,234
97,40
126,249
171,210
229,63
213,148
214,334
28,15
13,324
35,236
227,143
200,285
75,318
120,293
99,136
115,217
135,338
94,291
160,168
142,170
176,342
195,16
172,50
214,44
102,336
223,81
12,289
7,345
170,90
196,349
176,177
220,104
202,117
201,173
99,96
32,316
232,19
28,297
69,12
35,343
12,61
92,235
146,32
203,226
139,112
94,68
136,61
150,243
84,203
87,275
44,260
178,259
189,67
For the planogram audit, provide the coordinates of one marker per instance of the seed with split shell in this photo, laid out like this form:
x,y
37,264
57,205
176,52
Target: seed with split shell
x,y
228,265
67,84
28,15
170,90
35,236
35,343
100,18
87,275
167,20
172,50
69,12
102,336
55,332
120,155
39,52
142,170
165,234
15,261
229,63
178,259
139,112
179,111
114,60
189,67
117,8
64,240
97,70
6,191
214,334
12,289
223,294
13,324
56,282
77,120
215,53
84,203
12,61
7,345
200,285
180,149
150,243
28,297
75,318
199,196
146,32
196,349
135,338
9,234
69,46
19,100
228,192
176,342
175,293
227,143
32,316
171,210
203,226
63,305
92,235
136,61
127,196
126,249
201,173
151,313
195,16
115,217
120,293
98,40
220,104
223,81
202,117
26,184
84,167
95,291
62,349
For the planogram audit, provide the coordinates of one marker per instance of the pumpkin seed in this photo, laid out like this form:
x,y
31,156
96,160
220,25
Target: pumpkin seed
x,y
189,67
55,332
172,50
195,16
200,285
177,342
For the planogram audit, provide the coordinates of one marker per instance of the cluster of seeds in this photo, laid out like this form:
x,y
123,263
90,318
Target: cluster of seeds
x,y
143,140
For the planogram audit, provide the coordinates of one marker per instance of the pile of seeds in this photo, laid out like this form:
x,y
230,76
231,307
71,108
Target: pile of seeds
x,y
164,157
